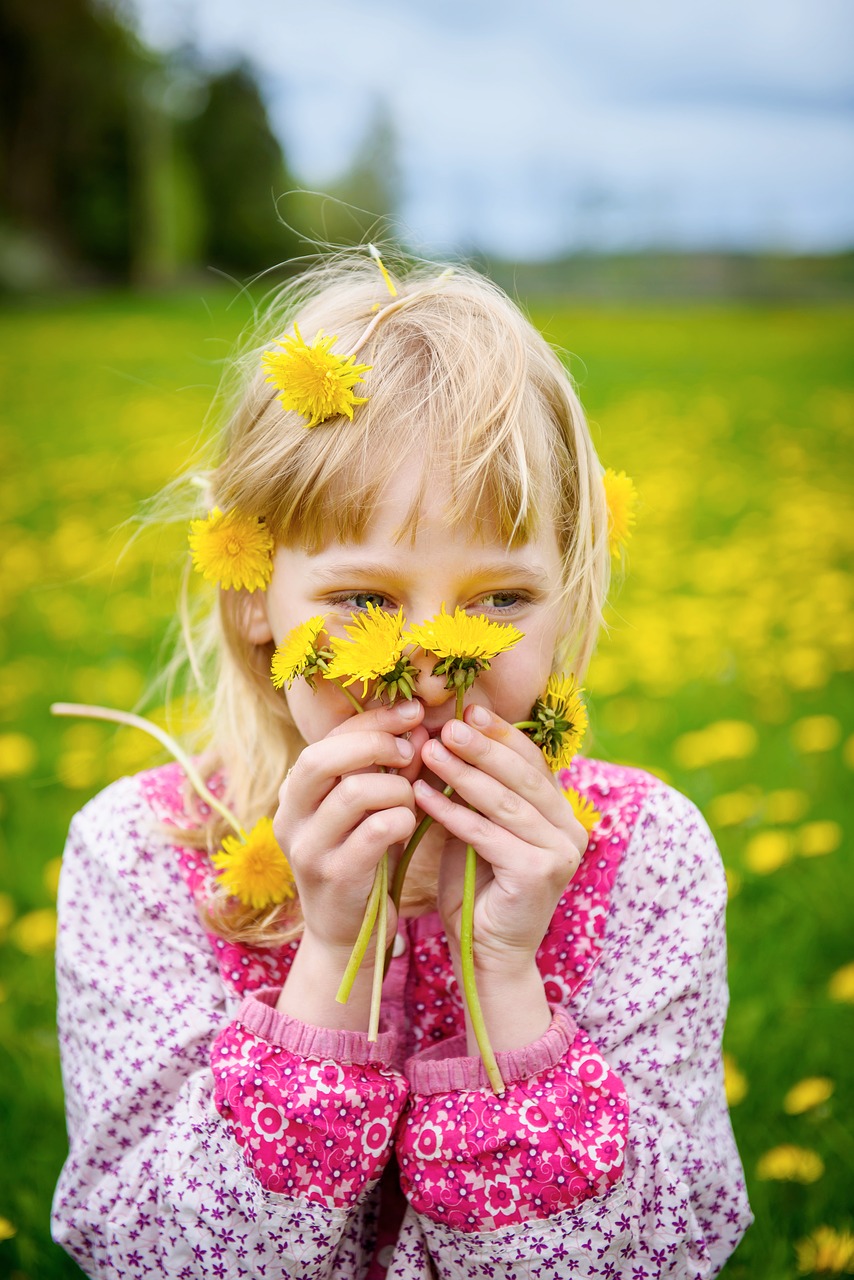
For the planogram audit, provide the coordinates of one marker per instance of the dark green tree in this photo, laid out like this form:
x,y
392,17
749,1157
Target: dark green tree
x,y
242,177
68,71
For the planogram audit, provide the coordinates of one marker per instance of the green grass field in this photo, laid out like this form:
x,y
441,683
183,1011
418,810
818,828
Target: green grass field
x,y
726,670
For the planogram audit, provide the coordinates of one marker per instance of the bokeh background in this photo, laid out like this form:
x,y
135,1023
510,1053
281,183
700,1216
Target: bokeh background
x,y
667,190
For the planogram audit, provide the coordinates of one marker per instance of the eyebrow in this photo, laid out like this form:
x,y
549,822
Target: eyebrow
x,y
377,571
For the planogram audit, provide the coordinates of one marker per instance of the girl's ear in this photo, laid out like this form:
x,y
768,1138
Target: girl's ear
x,y
254,622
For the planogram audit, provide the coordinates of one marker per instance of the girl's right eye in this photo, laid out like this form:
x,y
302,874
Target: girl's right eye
x,y
356,600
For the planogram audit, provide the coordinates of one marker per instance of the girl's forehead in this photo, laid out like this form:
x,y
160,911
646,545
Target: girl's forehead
x,y
400,539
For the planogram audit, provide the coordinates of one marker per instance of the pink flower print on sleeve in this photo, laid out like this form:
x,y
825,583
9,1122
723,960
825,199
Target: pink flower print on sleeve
x,y
556,1138
319,1129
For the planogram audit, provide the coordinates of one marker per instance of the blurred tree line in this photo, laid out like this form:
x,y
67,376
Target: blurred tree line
x,y
119,164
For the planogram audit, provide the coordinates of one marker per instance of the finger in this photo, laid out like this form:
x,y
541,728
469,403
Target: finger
x,y
417,738
492,726
321,764
359,854
403,716
504,851
496,779
350,802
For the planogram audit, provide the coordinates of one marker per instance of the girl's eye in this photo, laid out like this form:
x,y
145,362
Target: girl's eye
x,y
360,600
502,600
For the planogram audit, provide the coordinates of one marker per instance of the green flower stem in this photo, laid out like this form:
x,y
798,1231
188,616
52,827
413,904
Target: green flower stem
x,y
165,739
379,956
415,839
526,724
376,911
347,694
361,944
469,984
467,957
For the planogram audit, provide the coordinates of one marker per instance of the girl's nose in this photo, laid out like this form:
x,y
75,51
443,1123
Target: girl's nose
x,y
429,688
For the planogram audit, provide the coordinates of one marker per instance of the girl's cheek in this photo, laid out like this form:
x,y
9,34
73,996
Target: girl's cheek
x,y
314,714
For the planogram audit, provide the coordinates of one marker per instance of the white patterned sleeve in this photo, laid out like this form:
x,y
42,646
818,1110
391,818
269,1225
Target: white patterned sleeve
x,y
156,1181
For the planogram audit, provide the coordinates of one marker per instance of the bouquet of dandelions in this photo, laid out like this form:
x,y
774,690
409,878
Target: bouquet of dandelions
x,y
377,651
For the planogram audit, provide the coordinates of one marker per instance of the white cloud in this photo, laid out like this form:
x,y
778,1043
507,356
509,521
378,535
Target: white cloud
x,y
527,129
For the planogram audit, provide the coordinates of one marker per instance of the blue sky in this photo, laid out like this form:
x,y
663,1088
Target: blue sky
x,y
531,128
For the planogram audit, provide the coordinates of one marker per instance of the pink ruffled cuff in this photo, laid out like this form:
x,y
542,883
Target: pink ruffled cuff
x,y
258,1014
443,1068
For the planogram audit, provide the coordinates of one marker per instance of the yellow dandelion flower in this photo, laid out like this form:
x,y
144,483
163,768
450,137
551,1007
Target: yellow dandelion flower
x,y
767,851
7,1229
464,644
790,1164
621,497
35,932
18,755
255,870
585,810
313,380
558,721
374,654
826,1250
735,1081
299,653
816,733
232,549
841,985
806,1094
818,838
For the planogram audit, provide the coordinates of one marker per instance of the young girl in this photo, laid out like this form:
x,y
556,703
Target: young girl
x,y
227,1116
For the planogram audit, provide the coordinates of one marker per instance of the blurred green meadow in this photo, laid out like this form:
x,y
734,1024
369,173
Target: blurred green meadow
x,y
726,669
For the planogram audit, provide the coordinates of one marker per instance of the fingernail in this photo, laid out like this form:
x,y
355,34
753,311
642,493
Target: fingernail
x,y
460,732
479,716
437,751
409,710
405,749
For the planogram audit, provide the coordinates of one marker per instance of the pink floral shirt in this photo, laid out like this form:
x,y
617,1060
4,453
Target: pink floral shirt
x,y
213,1136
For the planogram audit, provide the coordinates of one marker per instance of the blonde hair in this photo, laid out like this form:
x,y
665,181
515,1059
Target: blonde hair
x,y
458,374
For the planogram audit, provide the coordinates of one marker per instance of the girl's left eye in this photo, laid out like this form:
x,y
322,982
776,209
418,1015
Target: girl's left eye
x,y
501,600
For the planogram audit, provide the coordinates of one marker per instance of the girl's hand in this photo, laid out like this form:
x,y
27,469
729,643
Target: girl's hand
x,y
338,814
528,841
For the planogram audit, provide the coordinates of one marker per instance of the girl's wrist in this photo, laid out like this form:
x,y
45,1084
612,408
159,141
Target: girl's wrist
x,y
313,981
514,1007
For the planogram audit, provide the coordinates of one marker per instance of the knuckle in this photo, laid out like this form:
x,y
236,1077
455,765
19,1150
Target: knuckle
x,y
349,789
378,825
510,803
536,782
484,828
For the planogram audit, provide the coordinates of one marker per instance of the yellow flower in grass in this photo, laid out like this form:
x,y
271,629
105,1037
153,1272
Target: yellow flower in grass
x,y
312,380
374,654
841,985
826,1251
790,1164
621,497
299,654
807,1094
232,549
585,810
558,721
7,1230
255,870
464,644
735,1081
